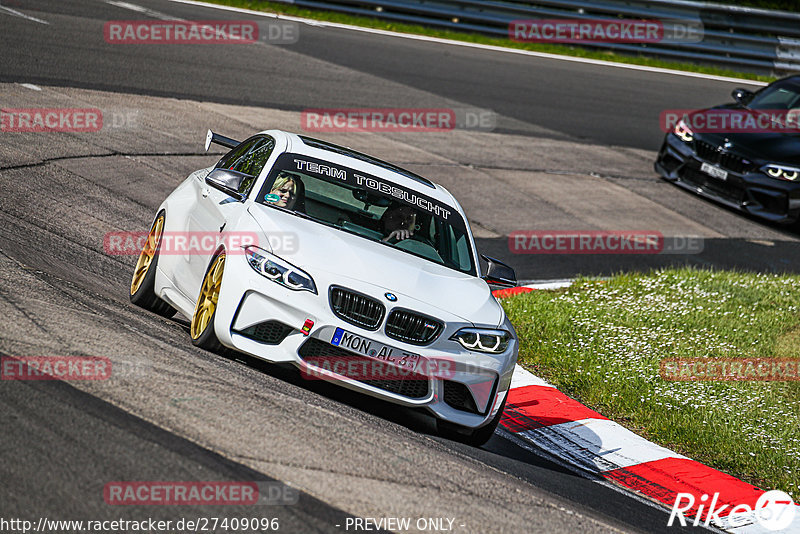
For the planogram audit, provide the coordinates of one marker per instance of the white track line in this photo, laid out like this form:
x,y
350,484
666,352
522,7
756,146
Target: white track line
x,y
474,45
153,13
145,11
4,9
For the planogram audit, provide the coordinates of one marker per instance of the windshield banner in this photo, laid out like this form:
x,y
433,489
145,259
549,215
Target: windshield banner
x,y
297,163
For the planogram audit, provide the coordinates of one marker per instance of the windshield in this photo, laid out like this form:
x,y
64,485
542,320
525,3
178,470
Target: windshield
x,y
370,207
782,95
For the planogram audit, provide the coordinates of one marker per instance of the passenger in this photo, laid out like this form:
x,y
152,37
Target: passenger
x,y
288,187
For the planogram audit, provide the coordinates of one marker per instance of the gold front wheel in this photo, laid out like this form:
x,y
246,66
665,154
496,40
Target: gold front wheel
x,y
207,301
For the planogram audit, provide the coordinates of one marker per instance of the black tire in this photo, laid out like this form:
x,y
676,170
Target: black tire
x,y
206,338
143,294
474,437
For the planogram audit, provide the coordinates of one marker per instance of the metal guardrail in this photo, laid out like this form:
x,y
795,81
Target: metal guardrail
x,y
742,38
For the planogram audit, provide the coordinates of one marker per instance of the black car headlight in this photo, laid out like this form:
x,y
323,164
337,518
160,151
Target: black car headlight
x,y
781,172
483,340
683,131
279,270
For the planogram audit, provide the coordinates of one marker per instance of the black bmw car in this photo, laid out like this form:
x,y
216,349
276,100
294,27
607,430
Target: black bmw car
x,y
745,155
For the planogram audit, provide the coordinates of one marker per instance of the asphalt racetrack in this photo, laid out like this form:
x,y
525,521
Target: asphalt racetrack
x,y
571,149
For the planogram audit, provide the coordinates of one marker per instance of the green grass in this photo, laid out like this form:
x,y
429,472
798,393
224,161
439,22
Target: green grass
x,y
369,22
602,342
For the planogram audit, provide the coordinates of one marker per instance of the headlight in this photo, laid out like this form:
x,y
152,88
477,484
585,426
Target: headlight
x,y
278,270
482,340
781,172
683,131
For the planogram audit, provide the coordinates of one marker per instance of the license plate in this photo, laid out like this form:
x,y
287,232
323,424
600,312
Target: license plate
x,y
714,171
373,349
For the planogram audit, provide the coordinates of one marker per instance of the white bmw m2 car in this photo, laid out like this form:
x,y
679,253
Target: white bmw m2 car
x,y
351,268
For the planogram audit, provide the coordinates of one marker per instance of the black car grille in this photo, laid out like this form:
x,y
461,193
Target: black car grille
x,y
414,386
268,332
356,308
724,189
458,396
726,160
412,327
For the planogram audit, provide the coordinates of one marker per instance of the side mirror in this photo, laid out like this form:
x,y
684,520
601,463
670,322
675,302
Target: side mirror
x,y
742,96
499,274
229,182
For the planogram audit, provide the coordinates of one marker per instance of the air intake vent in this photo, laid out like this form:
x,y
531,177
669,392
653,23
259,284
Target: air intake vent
x,y
268,332
458,396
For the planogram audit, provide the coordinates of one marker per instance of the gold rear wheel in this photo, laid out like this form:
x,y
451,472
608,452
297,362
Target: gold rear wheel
x,y
143,283
207,301
147,254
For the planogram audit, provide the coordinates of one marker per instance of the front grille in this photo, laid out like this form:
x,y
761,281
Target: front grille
x,y
726,160
411,327
723,189
356,308
458,396
268,332
414,386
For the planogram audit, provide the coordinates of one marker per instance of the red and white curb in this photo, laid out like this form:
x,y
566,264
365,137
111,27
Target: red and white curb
x,y
533,286
539,416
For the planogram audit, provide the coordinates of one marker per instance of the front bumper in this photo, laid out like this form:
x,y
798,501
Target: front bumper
x,y
747,190
263,319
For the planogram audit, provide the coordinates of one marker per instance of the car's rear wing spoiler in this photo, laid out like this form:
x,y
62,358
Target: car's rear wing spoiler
x,y
212,137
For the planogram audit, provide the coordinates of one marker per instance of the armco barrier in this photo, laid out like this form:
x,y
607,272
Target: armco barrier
x,y
742,38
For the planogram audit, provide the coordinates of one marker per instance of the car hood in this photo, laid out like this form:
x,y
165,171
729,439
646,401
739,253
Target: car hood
x,y
761,147
353,261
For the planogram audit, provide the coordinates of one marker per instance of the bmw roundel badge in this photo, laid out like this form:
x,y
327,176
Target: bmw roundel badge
x,y
391,297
